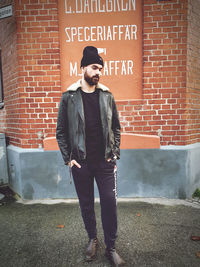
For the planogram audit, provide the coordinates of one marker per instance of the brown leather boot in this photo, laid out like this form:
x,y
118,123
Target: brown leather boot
x,y
91,251
114,257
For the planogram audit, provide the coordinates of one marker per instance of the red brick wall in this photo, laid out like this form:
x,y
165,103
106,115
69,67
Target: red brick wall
x,y
39,68
9,115
170,104
193,73
161,111
31,71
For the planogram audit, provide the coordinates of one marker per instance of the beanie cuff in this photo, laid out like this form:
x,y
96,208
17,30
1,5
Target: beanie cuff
x,y
91,56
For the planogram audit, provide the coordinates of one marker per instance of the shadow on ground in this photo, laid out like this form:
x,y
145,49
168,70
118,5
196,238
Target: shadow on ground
x,y
7,195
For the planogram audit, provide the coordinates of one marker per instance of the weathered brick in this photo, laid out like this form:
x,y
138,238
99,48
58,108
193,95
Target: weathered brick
x,y
168,48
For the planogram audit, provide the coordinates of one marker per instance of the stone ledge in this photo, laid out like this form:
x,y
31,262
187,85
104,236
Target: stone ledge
x,y
128,141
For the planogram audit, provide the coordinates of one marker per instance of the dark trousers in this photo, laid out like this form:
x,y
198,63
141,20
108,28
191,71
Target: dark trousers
x,y
105,176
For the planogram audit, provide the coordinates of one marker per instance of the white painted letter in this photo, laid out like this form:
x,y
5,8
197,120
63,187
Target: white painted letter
x,y
99,33
73,32
123,71
127,34
92,5
133,32
116,67
70,9
81,8
122,4
105,69
111,6
85,34
66,31
86,5
110,66
101,10
73,70
118,6
92,33
80,34
104,32
114,31
109,35
130,67
133,4
120,32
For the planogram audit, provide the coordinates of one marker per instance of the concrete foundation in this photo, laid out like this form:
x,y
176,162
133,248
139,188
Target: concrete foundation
x,y
171,172
3,160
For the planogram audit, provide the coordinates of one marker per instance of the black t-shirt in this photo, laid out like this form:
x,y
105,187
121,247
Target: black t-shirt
x,y
93,126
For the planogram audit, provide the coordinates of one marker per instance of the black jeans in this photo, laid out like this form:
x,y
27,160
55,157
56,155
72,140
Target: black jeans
x,y
105,175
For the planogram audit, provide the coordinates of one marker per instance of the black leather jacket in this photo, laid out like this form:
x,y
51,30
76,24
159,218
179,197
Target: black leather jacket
x,y
70,131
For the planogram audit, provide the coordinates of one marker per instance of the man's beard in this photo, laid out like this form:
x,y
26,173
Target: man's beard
x,y
91,80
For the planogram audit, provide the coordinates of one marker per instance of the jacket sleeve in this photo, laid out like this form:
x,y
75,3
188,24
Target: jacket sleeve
x,y
62,130
116,129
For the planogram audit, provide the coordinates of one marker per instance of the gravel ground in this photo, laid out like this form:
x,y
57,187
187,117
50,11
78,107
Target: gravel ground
x,y
149,234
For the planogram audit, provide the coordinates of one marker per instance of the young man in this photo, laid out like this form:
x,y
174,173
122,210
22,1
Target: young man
x,y
88,134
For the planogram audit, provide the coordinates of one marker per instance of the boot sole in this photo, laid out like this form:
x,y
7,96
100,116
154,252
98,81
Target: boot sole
x,y
89,259
112,263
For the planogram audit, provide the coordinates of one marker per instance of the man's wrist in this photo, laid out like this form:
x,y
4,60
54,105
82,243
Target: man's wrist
x,y
113,158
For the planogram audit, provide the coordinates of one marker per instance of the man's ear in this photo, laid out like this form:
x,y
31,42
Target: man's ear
x,y
83,69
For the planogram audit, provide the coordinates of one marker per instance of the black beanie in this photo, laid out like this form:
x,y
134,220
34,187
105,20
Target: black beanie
x,y
91,56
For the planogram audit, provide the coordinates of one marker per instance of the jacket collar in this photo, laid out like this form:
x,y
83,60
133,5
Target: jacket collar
x,y
77,85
